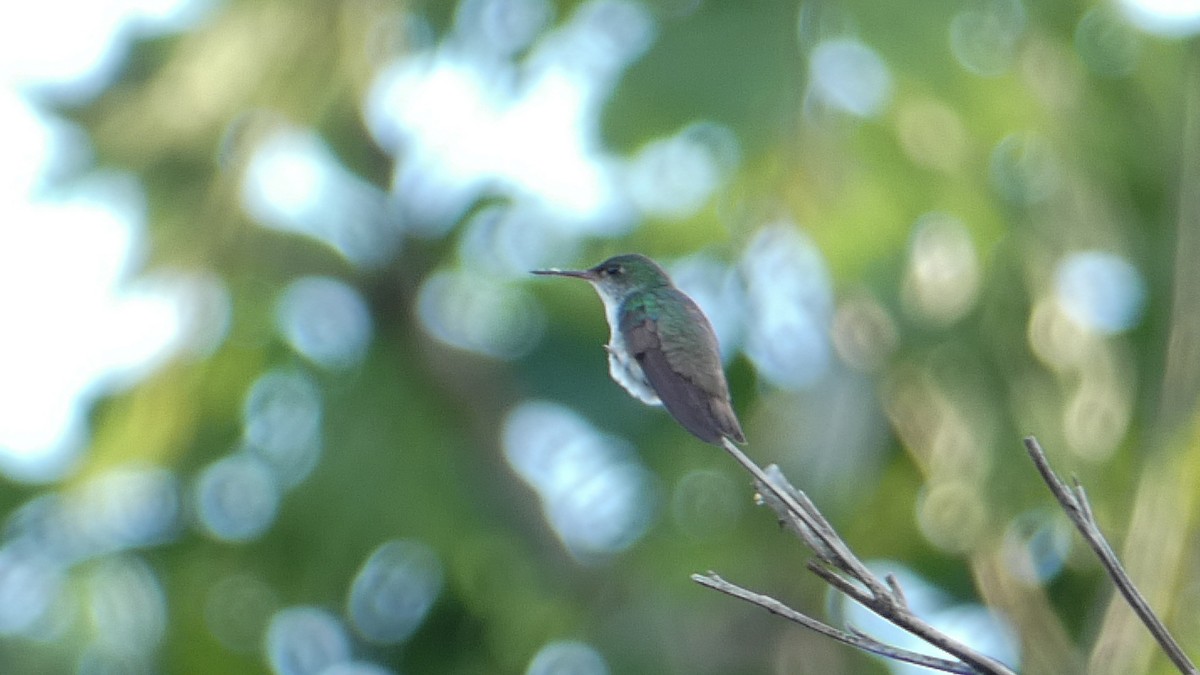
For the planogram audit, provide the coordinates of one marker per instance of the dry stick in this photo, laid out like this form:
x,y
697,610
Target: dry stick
x,y
1075,502
854,639
881,597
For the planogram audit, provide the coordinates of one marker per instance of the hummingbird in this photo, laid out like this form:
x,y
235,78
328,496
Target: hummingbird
x,y
661,347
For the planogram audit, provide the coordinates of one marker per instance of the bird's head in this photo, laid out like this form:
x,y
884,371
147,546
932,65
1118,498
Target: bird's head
x,y
619,276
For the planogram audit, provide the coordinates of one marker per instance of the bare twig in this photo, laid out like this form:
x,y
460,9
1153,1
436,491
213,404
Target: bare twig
x,y
853,638
1075,503
837,565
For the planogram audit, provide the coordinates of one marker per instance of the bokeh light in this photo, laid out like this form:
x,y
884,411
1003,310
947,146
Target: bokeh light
x,y
294,183
1102,292
393,591
863,333
114,512
706,504
951,516
501,28
674,177
849,76
44,147
30,585
985,36
237,497
595,493
505,241
282,416
305,641
87,54
1024,169
129,507
1108,45
356,668
477,313
1172,18
464,119
325,320
1036,545
127,606
571,656
933,134
50,296
95,659
717,289
790,301
203,307
970,623
942,278
1059,341
1100,405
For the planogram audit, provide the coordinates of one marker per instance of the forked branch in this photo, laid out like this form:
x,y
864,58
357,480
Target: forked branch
x,y
838,566
1074,501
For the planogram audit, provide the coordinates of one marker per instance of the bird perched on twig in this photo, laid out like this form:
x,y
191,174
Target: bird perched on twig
x,y
661,348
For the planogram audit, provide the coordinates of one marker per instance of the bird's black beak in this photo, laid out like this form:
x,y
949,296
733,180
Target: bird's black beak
x,y
578,274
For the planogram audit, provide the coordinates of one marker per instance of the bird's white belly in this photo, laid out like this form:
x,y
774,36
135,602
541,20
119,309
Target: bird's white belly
x,y
627,372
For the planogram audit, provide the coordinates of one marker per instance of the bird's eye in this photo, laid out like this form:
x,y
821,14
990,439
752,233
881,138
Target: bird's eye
x,y
611,270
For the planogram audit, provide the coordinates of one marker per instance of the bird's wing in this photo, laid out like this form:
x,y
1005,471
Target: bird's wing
x,y
699,399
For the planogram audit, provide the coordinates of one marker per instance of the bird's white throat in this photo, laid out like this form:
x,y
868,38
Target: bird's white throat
x,y
622,366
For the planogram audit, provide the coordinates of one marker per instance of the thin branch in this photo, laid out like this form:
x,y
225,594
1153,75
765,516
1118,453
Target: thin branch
x,y
1075,503
1082,500
894,584
839,582
854,638
838,566
786,502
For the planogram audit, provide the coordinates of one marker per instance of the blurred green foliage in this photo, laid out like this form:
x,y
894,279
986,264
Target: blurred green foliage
x,y
911,440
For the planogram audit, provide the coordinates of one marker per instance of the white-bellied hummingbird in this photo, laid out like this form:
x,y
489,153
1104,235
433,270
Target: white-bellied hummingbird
x,y
662,348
